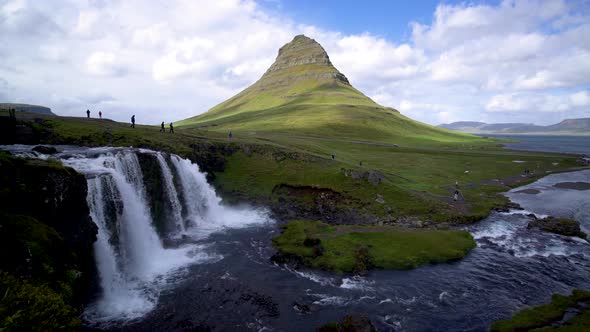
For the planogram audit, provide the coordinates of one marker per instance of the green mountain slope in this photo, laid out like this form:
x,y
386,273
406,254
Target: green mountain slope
x,y
302,93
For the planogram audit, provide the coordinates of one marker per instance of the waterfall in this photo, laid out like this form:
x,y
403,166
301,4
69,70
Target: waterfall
x,y
200,198
171,193
132,261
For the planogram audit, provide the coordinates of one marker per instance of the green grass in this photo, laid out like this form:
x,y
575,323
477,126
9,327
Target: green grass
x,y
418,179
29,306
354,248
541,317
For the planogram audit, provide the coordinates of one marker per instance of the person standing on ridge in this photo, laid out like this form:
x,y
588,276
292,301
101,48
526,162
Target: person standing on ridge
x,y
100,115
230,135
456,195
133,121
88,114
162,129
171,128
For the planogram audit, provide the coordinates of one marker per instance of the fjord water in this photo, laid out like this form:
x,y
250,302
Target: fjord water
x,y
553,143
217,274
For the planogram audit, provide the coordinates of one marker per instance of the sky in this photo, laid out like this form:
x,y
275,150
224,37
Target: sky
x,y
164,60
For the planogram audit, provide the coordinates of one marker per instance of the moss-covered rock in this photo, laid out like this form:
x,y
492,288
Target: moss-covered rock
x,y
46,245
26,306
560,226
550,317
357,249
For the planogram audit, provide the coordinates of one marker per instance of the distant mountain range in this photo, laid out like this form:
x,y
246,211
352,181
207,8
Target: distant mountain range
x,y
568,126
28,108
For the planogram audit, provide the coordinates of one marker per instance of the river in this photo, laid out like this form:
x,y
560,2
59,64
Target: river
x,y
213,272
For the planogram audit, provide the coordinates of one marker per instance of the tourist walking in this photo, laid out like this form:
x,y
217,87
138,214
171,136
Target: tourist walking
x,y
171,128
133,121
230,135
88,114
162,129
100,115
333,156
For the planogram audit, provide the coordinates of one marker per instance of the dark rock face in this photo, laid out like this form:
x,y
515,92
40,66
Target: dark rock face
x,y
152,177
560,226
305,202
300,51
211,157
53,199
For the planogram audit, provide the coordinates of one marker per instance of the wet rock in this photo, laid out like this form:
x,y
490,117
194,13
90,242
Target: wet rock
x,y
529,191
560,226
301,307
282,258
507,207
350,323
581,186
43,149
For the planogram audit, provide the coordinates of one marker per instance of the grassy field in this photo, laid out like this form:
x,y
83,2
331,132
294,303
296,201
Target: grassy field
x,y
416,181
541,318
358,248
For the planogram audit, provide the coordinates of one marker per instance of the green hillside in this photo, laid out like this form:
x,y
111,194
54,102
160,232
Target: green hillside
x,y
302,93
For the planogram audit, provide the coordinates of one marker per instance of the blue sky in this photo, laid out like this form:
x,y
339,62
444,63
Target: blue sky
x,y
492,61
388,19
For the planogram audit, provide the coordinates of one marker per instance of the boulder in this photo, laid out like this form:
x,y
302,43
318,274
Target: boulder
x,y
560,226
43,149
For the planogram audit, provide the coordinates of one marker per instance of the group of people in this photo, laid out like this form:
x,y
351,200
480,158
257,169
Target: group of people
x,y
163,129
527,172
88,114
12,113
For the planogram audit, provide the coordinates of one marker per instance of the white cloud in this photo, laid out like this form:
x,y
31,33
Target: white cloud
x,y
537,103
470,62
580,99
105,64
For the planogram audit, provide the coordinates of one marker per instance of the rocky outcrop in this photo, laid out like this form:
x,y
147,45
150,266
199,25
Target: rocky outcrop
x,y
371,176
302,51
46,227
307,202
560,226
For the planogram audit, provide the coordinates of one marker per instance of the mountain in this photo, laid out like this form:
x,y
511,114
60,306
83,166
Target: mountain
x,y
302,93
28,108
568,126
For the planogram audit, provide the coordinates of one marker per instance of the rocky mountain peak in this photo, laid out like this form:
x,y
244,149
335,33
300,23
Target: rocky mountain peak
x,y
308,55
